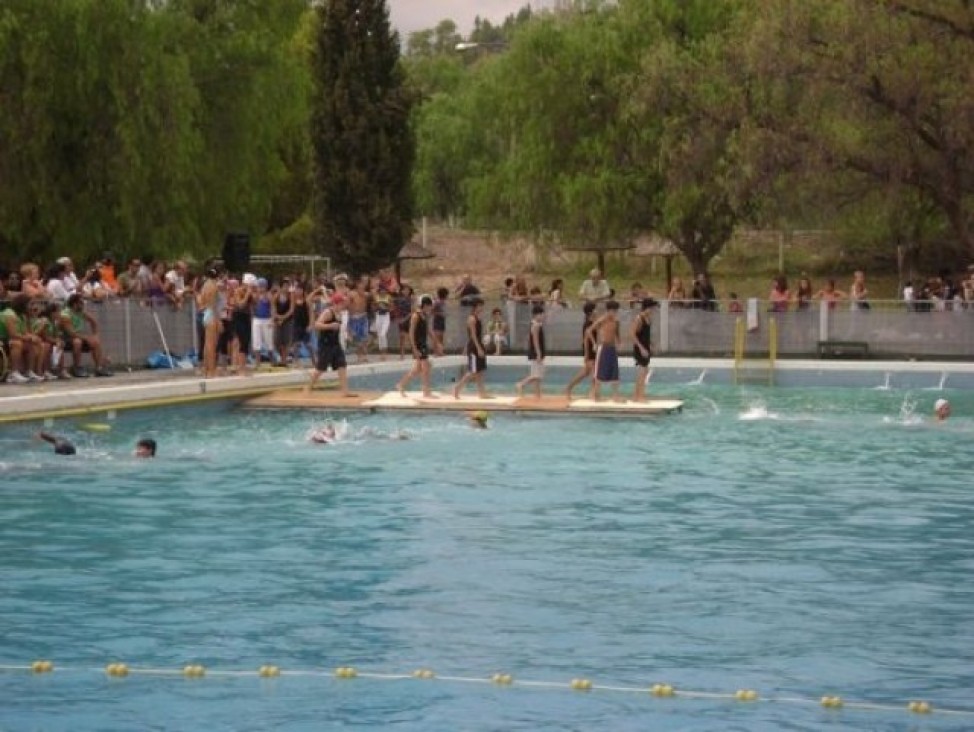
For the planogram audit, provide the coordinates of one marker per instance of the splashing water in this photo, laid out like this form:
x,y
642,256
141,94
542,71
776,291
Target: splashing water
x,y
699,380
907,415
757,412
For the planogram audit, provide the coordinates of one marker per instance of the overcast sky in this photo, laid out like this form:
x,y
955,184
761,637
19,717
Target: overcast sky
x,y
413,15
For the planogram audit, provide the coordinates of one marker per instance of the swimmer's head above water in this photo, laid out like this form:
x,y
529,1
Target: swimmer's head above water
x,y
324,435
478,419
941,408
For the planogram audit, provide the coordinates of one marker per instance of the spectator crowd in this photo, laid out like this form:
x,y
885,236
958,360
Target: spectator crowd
x,y
45,328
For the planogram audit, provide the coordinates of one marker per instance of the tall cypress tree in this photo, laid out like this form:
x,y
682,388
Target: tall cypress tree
x,y
363,143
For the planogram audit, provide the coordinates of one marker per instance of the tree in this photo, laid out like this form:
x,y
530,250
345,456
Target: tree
x,y
557,152
363,143
879,89
144,127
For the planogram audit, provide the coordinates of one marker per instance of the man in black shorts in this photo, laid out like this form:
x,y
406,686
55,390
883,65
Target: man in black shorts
x,y
330,352
418,344
476,356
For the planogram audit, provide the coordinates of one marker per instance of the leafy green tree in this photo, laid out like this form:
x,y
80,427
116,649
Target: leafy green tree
x,y
880,90
691,90
557,152
363,143
144,128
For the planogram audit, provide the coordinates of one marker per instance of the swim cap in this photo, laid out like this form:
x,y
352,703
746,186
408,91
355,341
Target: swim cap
x,y
262,282
940,404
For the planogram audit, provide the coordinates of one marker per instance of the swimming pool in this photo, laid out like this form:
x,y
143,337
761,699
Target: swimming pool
x,y
799,542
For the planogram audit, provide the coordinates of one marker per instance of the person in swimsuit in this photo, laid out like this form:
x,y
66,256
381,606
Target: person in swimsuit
x,y
536,354
144,448
588,351
439,321
606,331
478,419
418,332
283,314
224,354
324,435
331,355
358,319
207,303
61,446
641,333
476,356
241,302
300,321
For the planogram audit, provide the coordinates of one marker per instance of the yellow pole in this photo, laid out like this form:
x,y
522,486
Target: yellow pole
x,y
738,346
772,350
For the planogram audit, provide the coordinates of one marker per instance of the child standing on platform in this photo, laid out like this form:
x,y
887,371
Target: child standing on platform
x,y
606,330
536,353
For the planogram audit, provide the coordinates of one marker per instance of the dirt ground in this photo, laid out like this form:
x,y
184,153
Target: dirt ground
x,y
487,257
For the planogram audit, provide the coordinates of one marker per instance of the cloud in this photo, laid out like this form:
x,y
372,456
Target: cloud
x,y
413,15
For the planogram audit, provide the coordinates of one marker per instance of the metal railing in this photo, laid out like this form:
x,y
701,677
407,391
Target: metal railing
x,y
890,328
130,331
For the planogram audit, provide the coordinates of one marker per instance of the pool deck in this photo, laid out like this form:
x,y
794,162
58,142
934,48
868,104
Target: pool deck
x,y
132,390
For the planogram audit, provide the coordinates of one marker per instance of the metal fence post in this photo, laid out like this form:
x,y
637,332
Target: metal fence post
x,y
823,320
128,331
664,326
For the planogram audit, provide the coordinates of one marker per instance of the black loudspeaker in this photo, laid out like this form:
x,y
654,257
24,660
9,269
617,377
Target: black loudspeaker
x,y
236,252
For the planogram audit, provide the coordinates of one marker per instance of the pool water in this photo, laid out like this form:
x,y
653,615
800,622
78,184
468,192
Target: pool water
x,y
799,542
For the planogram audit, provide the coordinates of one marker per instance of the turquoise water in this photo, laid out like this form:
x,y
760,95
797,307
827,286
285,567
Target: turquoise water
x,y
799,542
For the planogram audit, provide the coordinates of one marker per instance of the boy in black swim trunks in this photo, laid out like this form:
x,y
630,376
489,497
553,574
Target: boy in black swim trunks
x,y
418,332
476,356
641,333
331,355
606,332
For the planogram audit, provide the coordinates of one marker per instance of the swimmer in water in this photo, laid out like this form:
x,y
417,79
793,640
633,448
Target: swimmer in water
x,y
324,435
61,446
144,448
941,410
478,420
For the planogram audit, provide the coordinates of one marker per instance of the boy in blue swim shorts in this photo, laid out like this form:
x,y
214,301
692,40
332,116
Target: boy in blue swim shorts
x,y
606,333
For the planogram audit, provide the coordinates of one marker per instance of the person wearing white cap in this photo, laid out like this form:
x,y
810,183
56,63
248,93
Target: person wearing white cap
x,y
941,409
595,288
70,279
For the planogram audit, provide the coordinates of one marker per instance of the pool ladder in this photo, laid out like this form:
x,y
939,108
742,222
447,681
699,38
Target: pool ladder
x,y
754,370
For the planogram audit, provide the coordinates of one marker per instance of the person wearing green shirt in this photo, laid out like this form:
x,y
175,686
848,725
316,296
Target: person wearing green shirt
x,y
81,336
19,341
